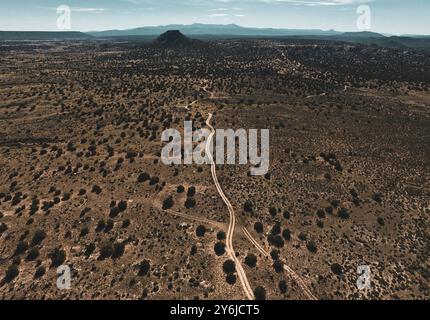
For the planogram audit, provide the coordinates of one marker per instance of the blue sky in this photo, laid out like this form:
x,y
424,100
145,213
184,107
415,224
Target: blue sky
x,y
389,16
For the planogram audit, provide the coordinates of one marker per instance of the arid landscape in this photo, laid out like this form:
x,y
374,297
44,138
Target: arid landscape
x,y
82,183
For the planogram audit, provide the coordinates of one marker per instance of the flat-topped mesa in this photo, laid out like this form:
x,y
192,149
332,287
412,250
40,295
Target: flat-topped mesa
x,y
174,38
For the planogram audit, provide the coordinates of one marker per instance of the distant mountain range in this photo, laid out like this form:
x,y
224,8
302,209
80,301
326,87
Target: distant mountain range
x,y
43,35
217,31
198,29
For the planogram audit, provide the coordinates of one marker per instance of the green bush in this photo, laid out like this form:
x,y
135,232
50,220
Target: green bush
x,y
144,268
258,227
168,203
200,231
260,293
38,237
11,273
229,266
251,260
219,248
58,256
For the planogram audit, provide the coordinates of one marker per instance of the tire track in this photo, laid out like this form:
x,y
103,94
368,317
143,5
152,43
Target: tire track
x,y
232,223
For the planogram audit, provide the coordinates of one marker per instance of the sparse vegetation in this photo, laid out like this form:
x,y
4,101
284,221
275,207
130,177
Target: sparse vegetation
x,y
260,293
229,266
251,260
200,231
219,248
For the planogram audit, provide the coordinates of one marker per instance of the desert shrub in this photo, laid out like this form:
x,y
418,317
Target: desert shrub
x,y
106,250
231,279
144,268
286,234
258,227
16,199
274,254
283,286
84,232
180,189
335,203
312,247
114,212
276,229
38,237
131,155
229,266
247,207
84,212
278,266
219,248
40,271
168,203
193,249
336,269
89,249
33,208
190,203
260,293
321,214
329,210
11,273
96,189
109,226
82,192
21,247
153,181
200,231
356,202
381,221
344,214
303,236
273,212
276,241
100,225
353,193
32,254
118,250
220,235
251,260
16,261
58,256
287,215
143,177
191,192
3,227
126,223
122,206
377,197
66,196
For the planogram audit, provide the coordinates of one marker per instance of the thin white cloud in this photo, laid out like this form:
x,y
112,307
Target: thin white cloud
x,y
214,15
89,10
319,2
78,9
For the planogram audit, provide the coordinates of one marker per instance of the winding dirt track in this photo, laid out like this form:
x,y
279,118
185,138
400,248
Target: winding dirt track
x,y
242,275
232,223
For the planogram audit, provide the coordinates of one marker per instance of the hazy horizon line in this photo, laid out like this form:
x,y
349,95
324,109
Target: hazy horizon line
x,y
216,24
